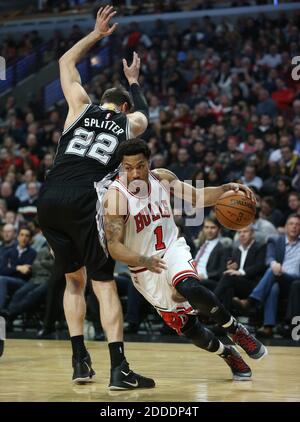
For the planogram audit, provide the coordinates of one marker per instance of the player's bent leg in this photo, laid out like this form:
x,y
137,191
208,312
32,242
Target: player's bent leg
x,y
206,301
111,314
205,339
190,327
75,309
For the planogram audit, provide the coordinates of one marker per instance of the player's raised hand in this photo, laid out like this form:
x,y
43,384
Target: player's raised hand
x,y
132,72
102,25
154,264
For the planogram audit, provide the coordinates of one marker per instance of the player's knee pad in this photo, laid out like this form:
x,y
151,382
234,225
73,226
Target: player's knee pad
x,y
203,299
199,296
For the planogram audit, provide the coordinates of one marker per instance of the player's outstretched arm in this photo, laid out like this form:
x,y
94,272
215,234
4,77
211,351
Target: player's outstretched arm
x,y
212,194
115,206
205,197
138,120
74,93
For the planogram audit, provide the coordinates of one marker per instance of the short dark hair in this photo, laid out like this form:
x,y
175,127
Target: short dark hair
x,y
269,200
292,216
117,96
294,193
212,219
25,228
133,147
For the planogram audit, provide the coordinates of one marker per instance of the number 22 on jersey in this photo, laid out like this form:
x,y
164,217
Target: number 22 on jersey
x,y
85,144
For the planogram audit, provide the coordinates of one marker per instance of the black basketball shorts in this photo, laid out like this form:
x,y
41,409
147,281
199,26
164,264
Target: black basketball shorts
x,y
67,216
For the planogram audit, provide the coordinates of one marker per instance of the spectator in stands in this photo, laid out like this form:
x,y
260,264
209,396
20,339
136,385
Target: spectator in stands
x,y
293,203
296,179
276,155
244,269
265,104
6,192
296,136
29,296
250,179
288,161
296,115
263,228
22,190
158,161
282,191
38,239
15,269
8,239
184,169
198,55
3,211
269,212
45,166
283,260
272,58
28,208
211,258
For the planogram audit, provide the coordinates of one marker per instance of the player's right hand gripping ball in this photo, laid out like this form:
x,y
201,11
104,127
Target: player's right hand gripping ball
x,y
234,210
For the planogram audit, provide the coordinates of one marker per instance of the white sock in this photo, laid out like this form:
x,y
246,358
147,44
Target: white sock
x,y
220,349
229,323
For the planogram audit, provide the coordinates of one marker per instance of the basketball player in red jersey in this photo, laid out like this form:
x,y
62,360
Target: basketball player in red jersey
x,y
141,232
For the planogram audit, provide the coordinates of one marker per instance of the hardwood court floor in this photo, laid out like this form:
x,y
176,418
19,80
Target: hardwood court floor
x,y
32,370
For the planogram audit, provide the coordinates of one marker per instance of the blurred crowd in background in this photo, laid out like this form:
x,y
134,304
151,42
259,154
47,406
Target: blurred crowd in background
x,y
223,107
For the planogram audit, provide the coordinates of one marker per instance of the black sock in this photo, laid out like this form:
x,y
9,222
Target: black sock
x,y
116,351
201,336
78,347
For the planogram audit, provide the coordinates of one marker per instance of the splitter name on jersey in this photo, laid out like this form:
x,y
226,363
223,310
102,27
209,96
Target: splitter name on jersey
x,y
104,124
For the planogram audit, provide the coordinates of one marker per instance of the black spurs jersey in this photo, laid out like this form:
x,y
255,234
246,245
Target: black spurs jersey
x,y
86,152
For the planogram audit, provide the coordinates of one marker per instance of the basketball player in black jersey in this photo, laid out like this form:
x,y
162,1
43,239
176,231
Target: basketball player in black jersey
x,y
67,205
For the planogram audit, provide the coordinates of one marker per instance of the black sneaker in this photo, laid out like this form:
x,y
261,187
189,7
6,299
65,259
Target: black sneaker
x,y
83,371
1,347
253,347
122,378
240,370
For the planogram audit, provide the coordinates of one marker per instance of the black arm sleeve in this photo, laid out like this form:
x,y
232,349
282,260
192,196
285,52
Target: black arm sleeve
x,y
139,100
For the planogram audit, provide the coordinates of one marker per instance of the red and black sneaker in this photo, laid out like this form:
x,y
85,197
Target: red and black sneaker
x,y
240,370
253,347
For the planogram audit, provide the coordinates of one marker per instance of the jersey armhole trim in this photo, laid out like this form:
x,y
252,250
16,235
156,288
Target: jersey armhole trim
x,y
78,118
127,129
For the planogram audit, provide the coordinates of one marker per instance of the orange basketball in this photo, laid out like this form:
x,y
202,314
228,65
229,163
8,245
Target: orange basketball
x,y
235,210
